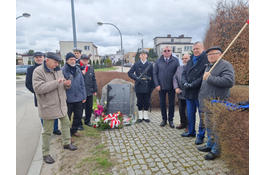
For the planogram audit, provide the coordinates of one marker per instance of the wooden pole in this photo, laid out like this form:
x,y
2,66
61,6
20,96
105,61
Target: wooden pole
x,y
230,45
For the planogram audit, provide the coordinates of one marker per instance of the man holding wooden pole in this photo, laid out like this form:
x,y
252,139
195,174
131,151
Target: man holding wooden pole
x,y
215,85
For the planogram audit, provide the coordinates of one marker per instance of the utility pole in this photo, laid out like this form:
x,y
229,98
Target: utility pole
x,y
73,20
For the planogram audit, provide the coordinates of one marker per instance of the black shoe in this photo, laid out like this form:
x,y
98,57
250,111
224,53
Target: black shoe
x,y
139,120
164,122
147,120
80,128
89,124
186,134
204,149
58,132
210,156
48,159
198,141
171,124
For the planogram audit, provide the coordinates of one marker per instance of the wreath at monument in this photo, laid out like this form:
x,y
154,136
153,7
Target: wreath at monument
x,y
110,121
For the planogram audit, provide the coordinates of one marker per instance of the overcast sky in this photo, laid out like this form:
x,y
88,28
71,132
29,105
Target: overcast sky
x,y
51,22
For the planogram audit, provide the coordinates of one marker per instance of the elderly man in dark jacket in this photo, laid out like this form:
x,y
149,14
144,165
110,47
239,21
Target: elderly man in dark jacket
x,y
76,95
164,70
91,87
181,94
191,80
38,58
216,85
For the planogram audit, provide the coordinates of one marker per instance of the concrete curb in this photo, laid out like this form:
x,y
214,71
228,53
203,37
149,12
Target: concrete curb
x,y
36,165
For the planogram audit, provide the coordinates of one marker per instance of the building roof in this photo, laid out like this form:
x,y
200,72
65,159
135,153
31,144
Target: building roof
x,y
173,43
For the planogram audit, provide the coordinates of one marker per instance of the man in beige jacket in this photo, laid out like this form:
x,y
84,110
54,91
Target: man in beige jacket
x,y
50,87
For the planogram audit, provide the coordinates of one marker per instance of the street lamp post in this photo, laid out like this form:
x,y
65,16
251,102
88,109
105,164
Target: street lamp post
x,y
26,15
73,21
100,24
142,40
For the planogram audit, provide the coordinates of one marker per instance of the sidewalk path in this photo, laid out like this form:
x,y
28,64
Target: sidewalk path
x,y
147,148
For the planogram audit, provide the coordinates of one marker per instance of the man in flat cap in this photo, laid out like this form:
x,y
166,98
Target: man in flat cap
x,y
76,95
38,58
91,87
77,53
164,70
143,86
50,87
215,85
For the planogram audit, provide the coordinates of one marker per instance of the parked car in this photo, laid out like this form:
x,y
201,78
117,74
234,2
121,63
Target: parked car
x,y
22,69
128,64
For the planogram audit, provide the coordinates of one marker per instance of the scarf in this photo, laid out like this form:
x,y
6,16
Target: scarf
x,y
72,69
83,65
195,59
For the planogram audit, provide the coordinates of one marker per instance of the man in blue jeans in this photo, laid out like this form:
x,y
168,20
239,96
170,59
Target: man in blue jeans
x,y
191,80
215,85
38,58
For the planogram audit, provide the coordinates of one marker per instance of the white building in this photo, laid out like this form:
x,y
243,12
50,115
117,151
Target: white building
x,y
180,45
87,48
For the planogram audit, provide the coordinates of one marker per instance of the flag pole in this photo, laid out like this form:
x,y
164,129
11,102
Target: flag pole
x,y
230,45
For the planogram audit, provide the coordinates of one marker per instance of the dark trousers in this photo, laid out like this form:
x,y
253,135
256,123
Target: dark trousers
x,y
183,112
171,101
143,101
191,107
77,108
88,109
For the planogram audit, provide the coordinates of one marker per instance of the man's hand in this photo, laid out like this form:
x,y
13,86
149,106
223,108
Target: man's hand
x,y
83,101
187,85
177,90
95,93
61,80
67,82
158,88
206,75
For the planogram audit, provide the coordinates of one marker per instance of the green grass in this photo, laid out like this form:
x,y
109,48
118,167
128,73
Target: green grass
x,y
105,69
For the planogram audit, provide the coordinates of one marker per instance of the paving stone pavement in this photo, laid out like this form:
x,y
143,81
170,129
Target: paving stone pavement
x,y
147,148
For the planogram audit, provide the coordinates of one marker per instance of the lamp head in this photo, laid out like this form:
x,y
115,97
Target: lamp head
x,y
100,23
26,15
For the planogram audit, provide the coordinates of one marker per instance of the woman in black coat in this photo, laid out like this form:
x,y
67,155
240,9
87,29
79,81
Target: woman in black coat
x,y
144,85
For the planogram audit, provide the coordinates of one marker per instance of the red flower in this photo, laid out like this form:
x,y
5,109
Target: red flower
x,y
95,126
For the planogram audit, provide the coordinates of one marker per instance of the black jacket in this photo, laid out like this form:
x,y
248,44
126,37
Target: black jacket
x,y
193,74
163,72
138,68
28,81
90,81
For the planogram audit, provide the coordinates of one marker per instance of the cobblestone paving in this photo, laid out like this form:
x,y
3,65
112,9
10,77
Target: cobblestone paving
x,y
147,148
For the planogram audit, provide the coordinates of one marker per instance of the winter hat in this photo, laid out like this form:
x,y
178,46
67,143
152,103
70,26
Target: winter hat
x,y
69,55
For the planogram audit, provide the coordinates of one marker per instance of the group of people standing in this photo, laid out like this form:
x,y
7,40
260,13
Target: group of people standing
x,y
193,84
61,92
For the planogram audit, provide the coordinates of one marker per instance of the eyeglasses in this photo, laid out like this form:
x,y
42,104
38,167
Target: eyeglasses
x,y
212,54
167,50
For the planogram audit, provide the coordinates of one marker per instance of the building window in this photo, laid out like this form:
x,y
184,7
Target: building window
x,y
86,47
187,48
173,50
172,40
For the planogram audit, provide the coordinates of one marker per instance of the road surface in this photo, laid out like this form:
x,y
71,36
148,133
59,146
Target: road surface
x,y
28,128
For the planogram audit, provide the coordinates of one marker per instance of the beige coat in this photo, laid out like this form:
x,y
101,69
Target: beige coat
x,y
51,94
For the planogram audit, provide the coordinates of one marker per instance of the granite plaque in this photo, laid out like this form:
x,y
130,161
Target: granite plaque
x,y
118,98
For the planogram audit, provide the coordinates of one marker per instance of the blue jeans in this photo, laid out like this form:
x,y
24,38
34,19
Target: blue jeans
x,y
171,102
213,140
55,126
191,110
